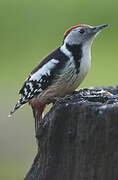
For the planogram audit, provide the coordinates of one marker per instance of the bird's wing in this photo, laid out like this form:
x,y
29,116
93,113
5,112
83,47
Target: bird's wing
x,y
42,76
40,80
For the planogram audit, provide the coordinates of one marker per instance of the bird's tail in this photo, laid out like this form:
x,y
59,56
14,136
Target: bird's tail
x,y
17,106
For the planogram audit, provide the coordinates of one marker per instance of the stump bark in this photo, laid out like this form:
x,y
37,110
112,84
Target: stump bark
x,y
78,138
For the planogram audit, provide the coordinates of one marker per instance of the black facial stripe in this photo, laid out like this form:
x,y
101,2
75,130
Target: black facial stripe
x,y
77,54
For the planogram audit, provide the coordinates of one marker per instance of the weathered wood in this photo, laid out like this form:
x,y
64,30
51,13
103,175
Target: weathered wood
x,y
78,138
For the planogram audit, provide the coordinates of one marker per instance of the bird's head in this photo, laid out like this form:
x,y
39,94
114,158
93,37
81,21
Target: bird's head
x,y
82,33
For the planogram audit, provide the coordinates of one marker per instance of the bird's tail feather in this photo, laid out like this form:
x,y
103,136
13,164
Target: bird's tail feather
x,y
17,106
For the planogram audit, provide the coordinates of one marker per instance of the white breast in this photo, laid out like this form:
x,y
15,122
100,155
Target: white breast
x,y
85,61
69,79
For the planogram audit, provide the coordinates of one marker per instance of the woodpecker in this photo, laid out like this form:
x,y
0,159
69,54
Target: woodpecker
x,y
62,71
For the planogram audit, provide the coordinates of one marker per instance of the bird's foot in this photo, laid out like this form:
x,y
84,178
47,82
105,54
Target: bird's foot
x,y
38,109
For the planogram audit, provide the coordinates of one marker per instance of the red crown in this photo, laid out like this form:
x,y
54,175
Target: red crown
x,y
71,28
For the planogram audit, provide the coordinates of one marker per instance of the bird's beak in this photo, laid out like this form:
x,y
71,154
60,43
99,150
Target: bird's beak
x,y
96,29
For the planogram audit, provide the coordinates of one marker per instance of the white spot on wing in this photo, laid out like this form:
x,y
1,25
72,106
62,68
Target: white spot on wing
x,y
55,61
30,85
25,91
48,72
40,90
44,70
29,95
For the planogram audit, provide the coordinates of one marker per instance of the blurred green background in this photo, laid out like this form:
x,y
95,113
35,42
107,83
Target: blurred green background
x,y
29,30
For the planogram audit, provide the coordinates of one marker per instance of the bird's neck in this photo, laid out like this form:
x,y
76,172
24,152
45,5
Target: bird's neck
x,y
78,52
74,52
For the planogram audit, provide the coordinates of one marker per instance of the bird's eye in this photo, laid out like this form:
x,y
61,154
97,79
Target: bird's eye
x,y
82,31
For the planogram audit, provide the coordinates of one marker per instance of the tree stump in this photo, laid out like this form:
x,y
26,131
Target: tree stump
x,y
78,138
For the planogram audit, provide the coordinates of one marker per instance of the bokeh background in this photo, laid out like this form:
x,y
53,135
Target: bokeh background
x,y
29,30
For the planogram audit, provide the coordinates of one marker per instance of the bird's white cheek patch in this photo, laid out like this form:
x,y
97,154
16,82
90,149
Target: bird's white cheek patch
x,y
45,70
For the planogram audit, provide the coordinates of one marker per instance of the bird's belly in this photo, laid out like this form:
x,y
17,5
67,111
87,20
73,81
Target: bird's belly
x,y
66,83
75,79
84,69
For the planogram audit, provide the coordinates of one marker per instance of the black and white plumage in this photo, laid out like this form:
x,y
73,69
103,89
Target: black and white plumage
x,y
62,71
